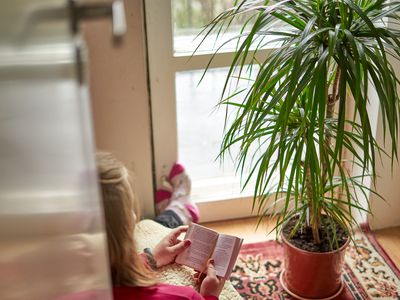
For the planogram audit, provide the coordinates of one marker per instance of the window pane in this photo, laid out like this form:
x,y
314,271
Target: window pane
x,y
200,132
190,16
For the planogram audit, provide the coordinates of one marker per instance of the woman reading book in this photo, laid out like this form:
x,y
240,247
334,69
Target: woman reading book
x,y
132,273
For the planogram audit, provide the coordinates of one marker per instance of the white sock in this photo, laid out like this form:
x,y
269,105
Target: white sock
x,y
181,184
180,209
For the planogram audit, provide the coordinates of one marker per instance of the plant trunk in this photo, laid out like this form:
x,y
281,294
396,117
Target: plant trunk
x,y
314,220
332,99
330,110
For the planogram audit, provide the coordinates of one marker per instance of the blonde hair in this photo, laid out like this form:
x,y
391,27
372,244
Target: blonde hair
x,y
127,268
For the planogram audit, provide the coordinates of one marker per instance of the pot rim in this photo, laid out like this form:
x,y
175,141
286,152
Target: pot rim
x,y
285,240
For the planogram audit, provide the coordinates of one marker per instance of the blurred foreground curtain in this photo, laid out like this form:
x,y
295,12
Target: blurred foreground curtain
x,y
52,239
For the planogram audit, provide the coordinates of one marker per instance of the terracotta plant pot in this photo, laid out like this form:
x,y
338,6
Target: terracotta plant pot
x,y
312,275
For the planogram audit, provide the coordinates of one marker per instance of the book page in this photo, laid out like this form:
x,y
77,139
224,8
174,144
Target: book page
x,y
223,252
235,253
203,242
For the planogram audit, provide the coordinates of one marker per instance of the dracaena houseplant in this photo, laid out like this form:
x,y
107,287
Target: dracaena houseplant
x,y
326,57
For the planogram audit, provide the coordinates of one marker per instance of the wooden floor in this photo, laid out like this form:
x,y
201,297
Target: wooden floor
x,y
246,229
390,241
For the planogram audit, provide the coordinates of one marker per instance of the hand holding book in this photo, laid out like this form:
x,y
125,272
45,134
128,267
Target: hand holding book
x,y
210,284
206,244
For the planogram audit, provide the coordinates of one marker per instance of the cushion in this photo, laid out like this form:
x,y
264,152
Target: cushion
x,y
147,234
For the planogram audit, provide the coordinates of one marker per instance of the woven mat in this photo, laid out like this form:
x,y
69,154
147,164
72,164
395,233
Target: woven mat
x,y
368,273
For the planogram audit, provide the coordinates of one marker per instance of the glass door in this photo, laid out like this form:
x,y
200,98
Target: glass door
x,y
187,124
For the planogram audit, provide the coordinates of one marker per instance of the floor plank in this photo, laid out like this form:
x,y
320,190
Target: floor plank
x,y
246,229
390,241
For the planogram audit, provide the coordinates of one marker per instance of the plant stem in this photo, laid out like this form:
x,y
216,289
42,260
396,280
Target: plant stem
x,y
315,217
332,99
330,110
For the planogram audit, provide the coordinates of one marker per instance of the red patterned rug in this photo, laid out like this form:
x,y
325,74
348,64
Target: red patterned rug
x,y
368,273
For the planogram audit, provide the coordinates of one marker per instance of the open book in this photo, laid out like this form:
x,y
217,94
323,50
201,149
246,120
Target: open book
x,y
206,244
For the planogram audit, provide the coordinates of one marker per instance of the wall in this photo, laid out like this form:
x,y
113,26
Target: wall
x,y
120,100
386,214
